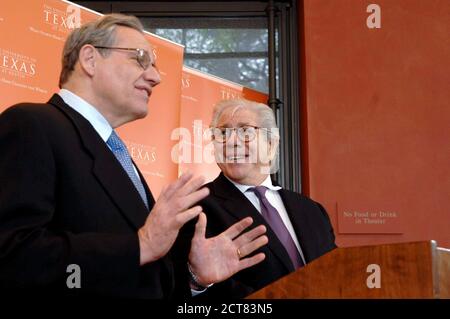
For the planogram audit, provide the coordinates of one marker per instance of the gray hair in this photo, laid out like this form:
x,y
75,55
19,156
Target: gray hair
x,y
264,116
101,32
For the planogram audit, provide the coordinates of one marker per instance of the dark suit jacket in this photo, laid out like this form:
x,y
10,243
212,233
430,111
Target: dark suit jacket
x,y
226,205
65,199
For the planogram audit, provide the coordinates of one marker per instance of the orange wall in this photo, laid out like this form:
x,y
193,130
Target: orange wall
x,y
31,40
376,113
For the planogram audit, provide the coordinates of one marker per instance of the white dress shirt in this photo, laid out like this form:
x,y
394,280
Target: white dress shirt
x,y
91,114
275,200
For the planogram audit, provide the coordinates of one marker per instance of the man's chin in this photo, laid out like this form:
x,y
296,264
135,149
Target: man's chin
x,y
140,114
237,170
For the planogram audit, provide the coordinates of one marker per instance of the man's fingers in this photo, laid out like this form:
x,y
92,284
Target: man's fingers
x,y
191,199
184,192
234,230
250,247
250,235
251,261
172,195
179,183
184,217
200,227
191,186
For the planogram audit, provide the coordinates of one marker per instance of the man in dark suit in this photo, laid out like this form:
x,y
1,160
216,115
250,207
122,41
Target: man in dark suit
x,y
74,209
246,141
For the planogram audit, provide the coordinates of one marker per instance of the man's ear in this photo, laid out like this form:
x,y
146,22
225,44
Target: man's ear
x,y
273,145
87,59
274,140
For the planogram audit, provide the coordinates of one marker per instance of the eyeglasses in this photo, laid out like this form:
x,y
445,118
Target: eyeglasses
x,y
142,56
244,133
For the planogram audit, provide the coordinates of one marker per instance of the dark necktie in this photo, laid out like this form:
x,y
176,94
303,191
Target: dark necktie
x,y
273,218
120,151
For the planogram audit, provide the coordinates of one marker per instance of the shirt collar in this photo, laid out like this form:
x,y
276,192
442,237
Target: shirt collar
x,y
267,183
88,111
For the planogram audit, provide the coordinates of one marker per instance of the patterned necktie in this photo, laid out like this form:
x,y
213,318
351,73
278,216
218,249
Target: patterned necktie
x,y
273,218
120,151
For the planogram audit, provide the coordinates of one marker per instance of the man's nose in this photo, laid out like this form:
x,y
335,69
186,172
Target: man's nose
x,y
152,75
234,138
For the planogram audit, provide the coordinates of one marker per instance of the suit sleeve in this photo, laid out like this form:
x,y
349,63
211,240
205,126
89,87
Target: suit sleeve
x,y
33,253
328,237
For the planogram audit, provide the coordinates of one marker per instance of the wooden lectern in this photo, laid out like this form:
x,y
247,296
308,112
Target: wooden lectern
x,y
406,270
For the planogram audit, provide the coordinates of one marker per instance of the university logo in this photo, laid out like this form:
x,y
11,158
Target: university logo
x,y
154,53
142,154
185,82
227,94
62,20
15,64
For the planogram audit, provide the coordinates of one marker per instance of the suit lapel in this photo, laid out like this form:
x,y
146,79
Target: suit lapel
x,y
293,204
240,207
148,193
107,169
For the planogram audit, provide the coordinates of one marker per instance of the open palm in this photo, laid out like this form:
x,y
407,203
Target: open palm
x,y
217,258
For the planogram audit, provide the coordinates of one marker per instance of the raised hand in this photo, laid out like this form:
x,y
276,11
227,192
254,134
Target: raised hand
x,y
217,258
171,211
